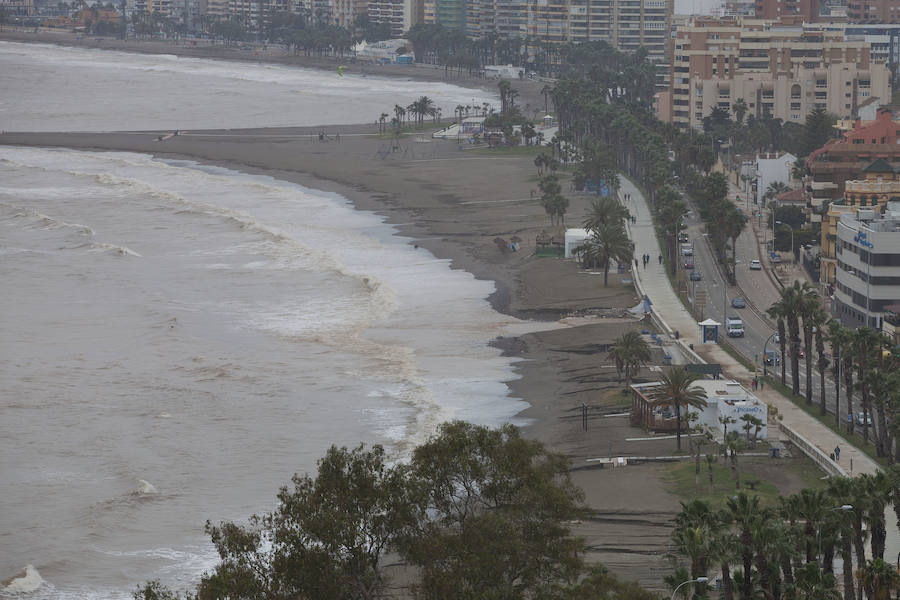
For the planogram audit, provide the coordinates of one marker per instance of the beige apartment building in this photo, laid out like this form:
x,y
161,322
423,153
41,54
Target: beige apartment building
x,y
777,69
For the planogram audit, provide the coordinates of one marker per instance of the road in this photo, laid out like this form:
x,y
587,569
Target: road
x,y
760,291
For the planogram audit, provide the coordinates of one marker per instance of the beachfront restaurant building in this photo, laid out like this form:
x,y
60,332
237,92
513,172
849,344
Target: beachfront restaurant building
x,y
724,398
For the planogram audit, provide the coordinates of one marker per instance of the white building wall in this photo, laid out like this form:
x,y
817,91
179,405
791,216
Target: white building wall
x,y
771,170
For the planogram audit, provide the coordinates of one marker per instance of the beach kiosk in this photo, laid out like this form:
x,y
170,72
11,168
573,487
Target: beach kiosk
x,y
573,239
547,121
709,330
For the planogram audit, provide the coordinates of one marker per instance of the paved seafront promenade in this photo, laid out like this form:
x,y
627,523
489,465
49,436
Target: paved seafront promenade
x,y
673,316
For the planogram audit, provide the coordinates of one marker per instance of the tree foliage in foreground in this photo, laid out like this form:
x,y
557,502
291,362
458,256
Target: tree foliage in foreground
x,y
476,513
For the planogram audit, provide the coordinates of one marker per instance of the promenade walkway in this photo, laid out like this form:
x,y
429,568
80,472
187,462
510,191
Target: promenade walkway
x,y
672,315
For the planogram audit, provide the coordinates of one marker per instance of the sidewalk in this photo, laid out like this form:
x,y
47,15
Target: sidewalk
x,y
669,311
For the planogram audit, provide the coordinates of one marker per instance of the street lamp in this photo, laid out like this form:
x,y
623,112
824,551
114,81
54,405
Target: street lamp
x,y
792,238
698,580
843,507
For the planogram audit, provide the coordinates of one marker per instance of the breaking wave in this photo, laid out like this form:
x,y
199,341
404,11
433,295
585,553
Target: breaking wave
x,y
27,581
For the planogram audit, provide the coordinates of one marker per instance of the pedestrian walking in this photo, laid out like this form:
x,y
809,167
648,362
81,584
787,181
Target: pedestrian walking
x,y
762,384
635,262
837,453
660,259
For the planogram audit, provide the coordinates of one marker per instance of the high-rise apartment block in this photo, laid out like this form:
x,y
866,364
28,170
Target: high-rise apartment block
x,y
782,71
874,11
807,10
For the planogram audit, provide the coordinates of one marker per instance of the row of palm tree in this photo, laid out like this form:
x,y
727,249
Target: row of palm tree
x,y
789,551
417,110
863,360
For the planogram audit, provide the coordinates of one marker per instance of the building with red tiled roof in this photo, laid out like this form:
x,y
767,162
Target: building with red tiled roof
x,y
844,159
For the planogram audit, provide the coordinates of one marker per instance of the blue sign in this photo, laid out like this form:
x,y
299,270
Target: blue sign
x,y
861,239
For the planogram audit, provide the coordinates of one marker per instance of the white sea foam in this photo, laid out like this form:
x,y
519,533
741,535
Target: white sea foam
x,y
273,320
149,92
28,581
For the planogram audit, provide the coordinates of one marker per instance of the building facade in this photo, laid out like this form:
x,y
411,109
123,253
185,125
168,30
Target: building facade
x,y
781,71
874,11
847,158
808,10
867,278
878,186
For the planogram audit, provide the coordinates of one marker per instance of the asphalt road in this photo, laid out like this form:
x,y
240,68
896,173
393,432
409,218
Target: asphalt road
x,y
761,293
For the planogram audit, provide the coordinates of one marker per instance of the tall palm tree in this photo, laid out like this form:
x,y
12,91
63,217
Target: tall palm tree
x,y
788,307
745,513
810,307
841,491
608,243
694,537
677,389
838,336
605,209
866,347
819,319
775,312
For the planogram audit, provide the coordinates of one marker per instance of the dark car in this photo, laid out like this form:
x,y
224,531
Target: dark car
x,y
689,264
696,276
738,302
682,237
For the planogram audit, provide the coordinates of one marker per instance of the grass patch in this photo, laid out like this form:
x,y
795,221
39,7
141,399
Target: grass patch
x,y
615,397
550,252
854,439
679,478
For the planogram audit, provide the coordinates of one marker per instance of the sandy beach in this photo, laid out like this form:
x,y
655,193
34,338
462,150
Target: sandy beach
x,y
455,202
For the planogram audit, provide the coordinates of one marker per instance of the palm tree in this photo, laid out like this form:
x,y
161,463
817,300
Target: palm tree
x,y
605,209
399,112
608,243
810,307
815,584
838,337
878,579
694,537
788,307
634,352
819,318
775,312
677,388
841,491
745,512
381,121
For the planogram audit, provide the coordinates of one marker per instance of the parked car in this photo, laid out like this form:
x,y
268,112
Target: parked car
x,y
777,338
695,275
738,302
775,258
755,265
867,422
689,264
801,353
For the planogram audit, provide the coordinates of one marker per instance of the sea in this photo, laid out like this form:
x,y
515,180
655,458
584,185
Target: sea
x,y
178,339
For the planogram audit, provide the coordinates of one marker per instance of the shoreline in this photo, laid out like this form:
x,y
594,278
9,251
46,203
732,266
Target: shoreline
x,y
530,97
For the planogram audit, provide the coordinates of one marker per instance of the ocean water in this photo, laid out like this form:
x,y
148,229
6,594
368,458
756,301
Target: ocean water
x,y
179,339
57,88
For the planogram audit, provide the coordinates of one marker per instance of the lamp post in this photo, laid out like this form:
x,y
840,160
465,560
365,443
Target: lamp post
x,y
792,238
843,507
698,580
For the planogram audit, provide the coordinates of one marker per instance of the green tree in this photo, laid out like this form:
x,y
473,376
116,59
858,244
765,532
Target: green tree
x,y
677,389
608,243
499,507
630,352
739,108
819,129
326,538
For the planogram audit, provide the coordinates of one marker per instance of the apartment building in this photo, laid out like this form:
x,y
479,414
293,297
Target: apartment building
x,y
883,38
808,10
867,278
399,14
874,11
778,70
878,185
21,8
849,159
345,12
